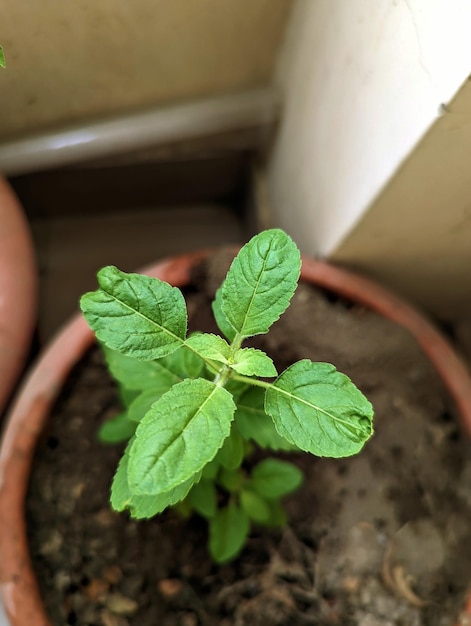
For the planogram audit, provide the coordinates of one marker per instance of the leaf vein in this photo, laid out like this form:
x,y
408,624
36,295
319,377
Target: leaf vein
x,y
293,398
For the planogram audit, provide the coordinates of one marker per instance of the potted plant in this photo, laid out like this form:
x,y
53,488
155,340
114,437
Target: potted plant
x,y
197,404
38,397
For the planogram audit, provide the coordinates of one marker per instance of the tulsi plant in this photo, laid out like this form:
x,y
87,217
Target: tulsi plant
x,y
196,406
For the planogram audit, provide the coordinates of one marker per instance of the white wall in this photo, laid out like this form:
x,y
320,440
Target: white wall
x,y
362,81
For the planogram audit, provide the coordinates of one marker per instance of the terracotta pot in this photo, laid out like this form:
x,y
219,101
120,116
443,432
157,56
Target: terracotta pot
x,y
30,411
17,290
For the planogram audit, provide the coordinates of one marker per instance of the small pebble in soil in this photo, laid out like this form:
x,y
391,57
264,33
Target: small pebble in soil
x,y
52,544
120,605
109,619
113,574
170,587
96,589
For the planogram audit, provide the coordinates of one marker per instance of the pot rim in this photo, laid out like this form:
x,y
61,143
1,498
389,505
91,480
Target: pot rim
x,y
41,387
18,290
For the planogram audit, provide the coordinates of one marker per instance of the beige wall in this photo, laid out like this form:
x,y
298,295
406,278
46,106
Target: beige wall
x,y
367,169
70,60
416,236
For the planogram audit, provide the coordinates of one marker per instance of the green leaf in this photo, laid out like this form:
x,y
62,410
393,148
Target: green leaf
x,y
221,320
231,480
211,469
210,347
273,478
180,434
132,373
278,517
254,424
118,429
141,405
185,363
137,315
320,410
154,378
203,498
142,507
3,62
120,492
231,454
252,362
127,396
228,530
261,282
255,506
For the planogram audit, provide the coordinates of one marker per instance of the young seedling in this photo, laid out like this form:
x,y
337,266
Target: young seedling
x,y
197,405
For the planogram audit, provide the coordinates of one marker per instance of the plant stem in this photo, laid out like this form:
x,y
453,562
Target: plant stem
x,y
251,381
222,376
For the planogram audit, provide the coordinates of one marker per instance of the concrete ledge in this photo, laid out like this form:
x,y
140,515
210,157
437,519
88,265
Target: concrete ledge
x,y
142,130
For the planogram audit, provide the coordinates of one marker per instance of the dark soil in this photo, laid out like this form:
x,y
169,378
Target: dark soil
x,y
378,539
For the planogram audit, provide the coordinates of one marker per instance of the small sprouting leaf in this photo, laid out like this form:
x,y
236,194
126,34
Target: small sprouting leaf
x,y
231,480
253,423
180,434
273,478
278,517
142,507
135,374
210,347
260,282
255,506
252,362
203,498
221,320
3,62
320,410
118,429
228,530
231,454
137,315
